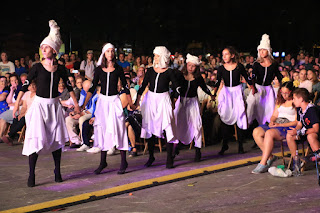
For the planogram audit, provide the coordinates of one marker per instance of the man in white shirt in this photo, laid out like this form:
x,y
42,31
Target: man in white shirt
x,y
5,65
88,65
304,82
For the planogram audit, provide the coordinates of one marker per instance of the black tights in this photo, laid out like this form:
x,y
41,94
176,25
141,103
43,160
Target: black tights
x,y
103,162
32,166
226,136
169,147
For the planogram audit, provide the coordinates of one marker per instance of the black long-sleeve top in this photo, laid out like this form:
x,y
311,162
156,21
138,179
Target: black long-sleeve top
x,y
47,82
158,82
265,75
232,78
109,81
189,88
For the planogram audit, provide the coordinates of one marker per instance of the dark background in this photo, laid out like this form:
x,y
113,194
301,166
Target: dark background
x,y
179,25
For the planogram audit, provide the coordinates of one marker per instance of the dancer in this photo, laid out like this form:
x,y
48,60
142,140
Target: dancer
x,y
260,105
156,107
231,106
46,129
109,124
187,108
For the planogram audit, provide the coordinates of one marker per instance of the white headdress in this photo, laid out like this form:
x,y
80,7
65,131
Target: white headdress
x,y
164,54
265,44
104,49
193,59
54,37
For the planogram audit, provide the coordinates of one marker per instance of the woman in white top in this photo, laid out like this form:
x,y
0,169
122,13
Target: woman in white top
x,y
284,116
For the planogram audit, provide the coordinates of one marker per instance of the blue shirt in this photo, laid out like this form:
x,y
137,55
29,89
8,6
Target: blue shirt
x,y
20,70
91,105
124,64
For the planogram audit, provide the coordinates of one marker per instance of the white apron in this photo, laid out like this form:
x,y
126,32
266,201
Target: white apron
x,y
260,106
109,124
46,130
188,121
157,116
231,107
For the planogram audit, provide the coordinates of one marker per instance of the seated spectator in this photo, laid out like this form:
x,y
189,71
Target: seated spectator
x,y
124,64
6,66
283,117
23,78
68,63
4,91
24,64
295,78
79,81
7,75
88,65
150,62
137,63
77,120
87,128
275,85
304,82
18,68
307,127
19,121
315,82
6,117
36,59
140,76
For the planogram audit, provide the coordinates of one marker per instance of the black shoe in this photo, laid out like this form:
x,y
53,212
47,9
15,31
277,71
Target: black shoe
x,y
100,168
123,169
31,181
197,158
74,146
57,177
149,162
240,149
169,165
223,149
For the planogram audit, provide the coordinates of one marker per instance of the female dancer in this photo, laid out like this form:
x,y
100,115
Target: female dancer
x,y
46,129
109,124
231,107
260,105
156,107
187,108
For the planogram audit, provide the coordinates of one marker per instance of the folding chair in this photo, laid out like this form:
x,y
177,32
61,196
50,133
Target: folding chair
x,y
157,145
21,134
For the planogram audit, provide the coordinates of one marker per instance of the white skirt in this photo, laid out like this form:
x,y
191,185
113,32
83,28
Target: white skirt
x,y
109,124
231,107
188,121
157,116
260,106
46,129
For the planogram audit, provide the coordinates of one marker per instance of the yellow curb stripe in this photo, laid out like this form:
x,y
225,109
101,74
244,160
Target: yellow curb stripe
x,y
129,186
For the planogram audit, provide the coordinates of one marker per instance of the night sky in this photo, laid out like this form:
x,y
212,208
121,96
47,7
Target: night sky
x,y
175,24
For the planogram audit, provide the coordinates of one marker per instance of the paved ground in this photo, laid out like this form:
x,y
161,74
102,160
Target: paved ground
x,y
226,191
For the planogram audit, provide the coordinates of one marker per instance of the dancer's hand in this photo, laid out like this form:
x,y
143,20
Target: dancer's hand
x,y
253,90
133,107
77,109
91,120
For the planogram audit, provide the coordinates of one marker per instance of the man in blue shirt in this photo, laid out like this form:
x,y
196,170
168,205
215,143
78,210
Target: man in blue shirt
x,y
124,64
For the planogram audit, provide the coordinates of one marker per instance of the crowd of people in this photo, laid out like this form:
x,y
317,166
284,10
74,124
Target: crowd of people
x,y
111,103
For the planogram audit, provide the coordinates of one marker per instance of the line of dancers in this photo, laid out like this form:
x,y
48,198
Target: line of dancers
x,y
46,130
